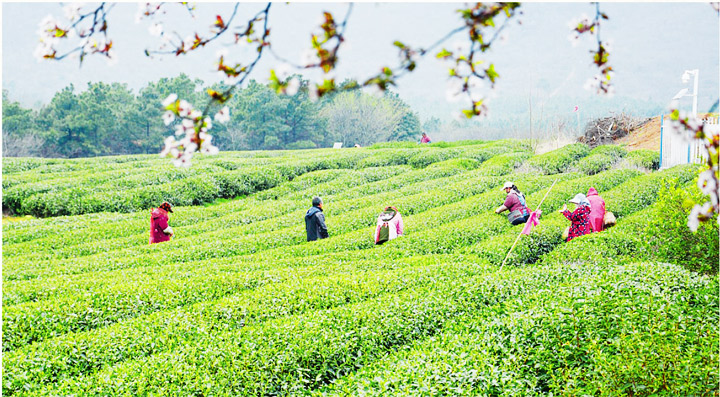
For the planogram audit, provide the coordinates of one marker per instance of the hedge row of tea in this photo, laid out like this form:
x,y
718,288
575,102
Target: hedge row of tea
x,y
239,304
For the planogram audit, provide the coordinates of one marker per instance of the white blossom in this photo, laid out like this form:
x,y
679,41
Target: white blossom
x,y
168,117
41,51
179,130
182,161
195,114
111,58
208,123
454,90
48,23
293,86
184,108
707,183
72,11
188,124
188,42
156,29
309,57
283,71
223,52
223,116
170,99
574,38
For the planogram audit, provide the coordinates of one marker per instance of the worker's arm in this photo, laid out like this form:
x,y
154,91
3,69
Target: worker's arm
x,y
169,231
321,224
500,209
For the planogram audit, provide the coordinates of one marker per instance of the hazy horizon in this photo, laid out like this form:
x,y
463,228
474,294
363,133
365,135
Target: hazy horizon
x,y
535,61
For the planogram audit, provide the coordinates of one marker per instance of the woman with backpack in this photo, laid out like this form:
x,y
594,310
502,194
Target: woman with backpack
x,y
389,225
515,203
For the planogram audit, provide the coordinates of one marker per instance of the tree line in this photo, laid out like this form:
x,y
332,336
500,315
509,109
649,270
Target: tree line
x,y
110,119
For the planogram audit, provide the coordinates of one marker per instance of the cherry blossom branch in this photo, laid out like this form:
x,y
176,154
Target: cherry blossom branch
x,y
600,83
195,124
194,42
51,33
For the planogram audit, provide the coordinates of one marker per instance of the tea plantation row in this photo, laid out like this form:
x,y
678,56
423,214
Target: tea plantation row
x,y
239,304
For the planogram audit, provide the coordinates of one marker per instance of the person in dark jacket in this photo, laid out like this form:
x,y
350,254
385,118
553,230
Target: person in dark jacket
x,y
315,221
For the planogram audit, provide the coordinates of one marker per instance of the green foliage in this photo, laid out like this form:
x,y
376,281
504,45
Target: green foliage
x,y
600,159
559,160
427,157
644,158
387,157
462,163
504,163
393,145
668,237
238,303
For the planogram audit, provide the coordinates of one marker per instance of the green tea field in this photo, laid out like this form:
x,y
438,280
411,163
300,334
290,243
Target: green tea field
x,y
238,303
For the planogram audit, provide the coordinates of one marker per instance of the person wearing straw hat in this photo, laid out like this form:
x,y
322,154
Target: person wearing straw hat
x,y
160,231
580,218
515,203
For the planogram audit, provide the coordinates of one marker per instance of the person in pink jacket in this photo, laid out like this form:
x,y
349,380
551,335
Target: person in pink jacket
x,y
160,231
389,225
597,210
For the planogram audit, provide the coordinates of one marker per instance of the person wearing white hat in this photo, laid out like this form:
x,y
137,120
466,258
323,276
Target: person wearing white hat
x,y
580,218
515,203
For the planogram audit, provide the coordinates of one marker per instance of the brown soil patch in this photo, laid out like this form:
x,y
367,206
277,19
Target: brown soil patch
x,y
645,137
648,136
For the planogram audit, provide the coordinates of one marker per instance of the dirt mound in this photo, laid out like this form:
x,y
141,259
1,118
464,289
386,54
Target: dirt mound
x,y
644,137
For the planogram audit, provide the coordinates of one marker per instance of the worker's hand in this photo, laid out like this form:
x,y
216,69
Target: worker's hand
x,y
497,210
564,208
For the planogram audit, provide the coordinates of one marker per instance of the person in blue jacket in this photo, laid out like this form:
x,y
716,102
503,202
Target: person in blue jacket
x,y
315,221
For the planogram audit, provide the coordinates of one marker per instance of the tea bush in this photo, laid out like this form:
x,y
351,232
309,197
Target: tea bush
x,y
644,158
559,160
238,303
600,159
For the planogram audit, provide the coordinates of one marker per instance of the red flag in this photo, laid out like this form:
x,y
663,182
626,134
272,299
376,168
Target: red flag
x,y
532,221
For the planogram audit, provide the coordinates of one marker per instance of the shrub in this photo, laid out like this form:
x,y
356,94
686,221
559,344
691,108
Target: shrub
x,y
387,157
668,238
644,158
600,159
463,163
504,163
425,158
614,151
559,160
393,145
595,163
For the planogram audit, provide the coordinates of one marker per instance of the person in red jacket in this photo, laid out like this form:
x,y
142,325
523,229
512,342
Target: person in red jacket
x,y
597,210
160,231
580,218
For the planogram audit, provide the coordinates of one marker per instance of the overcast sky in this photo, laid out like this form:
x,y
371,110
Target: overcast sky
x,y
652,44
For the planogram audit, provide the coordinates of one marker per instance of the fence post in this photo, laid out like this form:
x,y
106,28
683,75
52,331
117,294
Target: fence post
x,y
662,121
